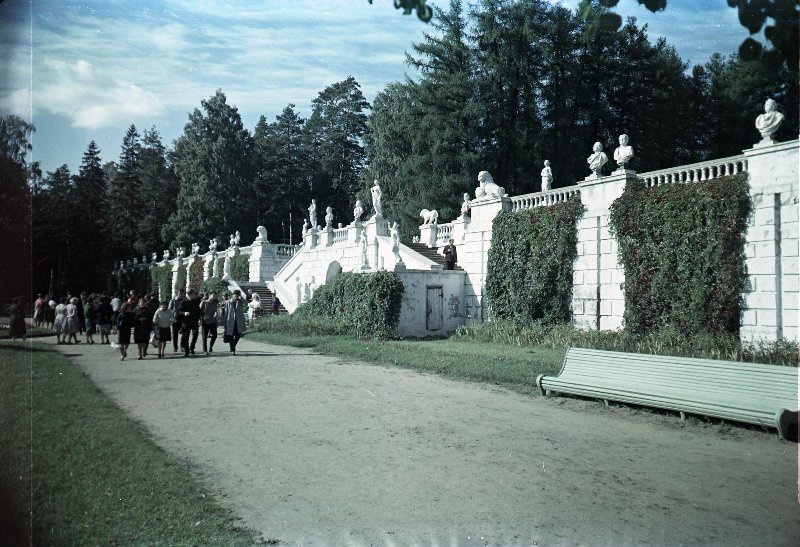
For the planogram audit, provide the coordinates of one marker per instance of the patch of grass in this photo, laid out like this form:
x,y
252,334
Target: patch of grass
x,y
513,367
30,331
76,470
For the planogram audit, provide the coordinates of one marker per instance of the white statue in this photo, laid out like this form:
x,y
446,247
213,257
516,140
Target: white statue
x,y
121,264
415,239
487,186
226,268
624,152
232,241
179,252
597,160
212,244
364,261
262,235
237,238
376,199
395,235
195,249
312,214
329,217
154,257
358,211
465,206
769,122
305,227
166,254
429,217
547,176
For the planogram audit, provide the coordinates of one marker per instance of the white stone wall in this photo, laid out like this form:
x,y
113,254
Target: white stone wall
x,y
413,314
771,308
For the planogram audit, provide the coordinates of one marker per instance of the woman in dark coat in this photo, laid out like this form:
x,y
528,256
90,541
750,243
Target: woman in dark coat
x,y
143,326
125,323
17,319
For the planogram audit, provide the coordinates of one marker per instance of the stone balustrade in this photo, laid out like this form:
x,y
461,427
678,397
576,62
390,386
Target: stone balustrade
x,y
696,172
543,199
340,235
444,232
286,250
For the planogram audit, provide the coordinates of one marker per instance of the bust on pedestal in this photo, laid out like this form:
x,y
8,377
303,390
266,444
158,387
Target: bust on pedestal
x,y
623,155
596,161
768,122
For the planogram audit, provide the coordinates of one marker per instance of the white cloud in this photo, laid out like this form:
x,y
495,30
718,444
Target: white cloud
x,y
91,100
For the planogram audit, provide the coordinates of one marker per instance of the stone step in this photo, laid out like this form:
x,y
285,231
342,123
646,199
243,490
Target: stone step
x,y
428,253
264,294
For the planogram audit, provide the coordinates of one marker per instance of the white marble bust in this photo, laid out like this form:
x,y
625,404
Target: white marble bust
x,y
212,244
358,211
769,122
465,206
329,217
624,152
597,160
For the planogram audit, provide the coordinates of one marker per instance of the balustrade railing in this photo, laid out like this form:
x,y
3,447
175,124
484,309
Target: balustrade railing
x,y
543,199
340,235
286,250
443,233
695,172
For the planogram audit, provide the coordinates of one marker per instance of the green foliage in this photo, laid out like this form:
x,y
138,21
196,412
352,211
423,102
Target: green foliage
x,y
220,264
196,274
181,282
240,268
667,341
215,285
530,263
369,304
682,246
301,325
161,281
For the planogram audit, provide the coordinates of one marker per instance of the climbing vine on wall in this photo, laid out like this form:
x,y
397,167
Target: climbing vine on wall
x,y
161,276
196,274
181,282
369,304
682,246
530,263
240,268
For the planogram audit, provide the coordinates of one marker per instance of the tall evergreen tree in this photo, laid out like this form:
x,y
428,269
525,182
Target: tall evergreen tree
x,y
213,161
158,192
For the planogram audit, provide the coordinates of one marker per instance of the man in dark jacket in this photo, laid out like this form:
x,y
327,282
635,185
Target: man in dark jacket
x,y
175,306
189,316
450,256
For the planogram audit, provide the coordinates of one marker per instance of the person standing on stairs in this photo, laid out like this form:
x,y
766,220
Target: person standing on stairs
x,y
450,256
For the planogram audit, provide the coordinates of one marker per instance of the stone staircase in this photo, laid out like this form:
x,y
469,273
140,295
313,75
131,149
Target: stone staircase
x,y
265,294
429,253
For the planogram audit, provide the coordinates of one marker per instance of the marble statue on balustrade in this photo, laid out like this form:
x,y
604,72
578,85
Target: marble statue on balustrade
x,y
166,254
376,199
231,241
465,207
305,227
121,264
312,214
329,218
237,238
179,252
395,235
212,244
364,260
547,177
487,187
429,217
195,249
769,122
597,160
262,235
358,211
623,153
154,257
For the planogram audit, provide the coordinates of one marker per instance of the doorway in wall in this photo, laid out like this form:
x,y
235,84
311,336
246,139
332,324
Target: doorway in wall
x,y
434,307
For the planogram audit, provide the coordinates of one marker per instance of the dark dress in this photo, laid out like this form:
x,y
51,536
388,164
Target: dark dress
x,y
17,321
124,330
143,325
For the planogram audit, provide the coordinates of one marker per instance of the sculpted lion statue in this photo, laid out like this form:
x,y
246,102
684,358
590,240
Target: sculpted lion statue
x,y
487,186
429,217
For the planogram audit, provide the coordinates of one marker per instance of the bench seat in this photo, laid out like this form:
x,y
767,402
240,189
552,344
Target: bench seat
x,y
745,392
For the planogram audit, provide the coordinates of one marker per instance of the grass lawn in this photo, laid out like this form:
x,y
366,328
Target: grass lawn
x,y
515,367
75,470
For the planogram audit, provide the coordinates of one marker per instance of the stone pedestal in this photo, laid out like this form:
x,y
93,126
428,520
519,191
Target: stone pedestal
x,y
376,226
327,235
427,235
261,254
485,209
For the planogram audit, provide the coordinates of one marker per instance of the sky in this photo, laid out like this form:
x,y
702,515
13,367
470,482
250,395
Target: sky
x,y
85,70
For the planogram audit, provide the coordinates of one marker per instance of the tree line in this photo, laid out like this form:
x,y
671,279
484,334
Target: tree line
x,y
499,87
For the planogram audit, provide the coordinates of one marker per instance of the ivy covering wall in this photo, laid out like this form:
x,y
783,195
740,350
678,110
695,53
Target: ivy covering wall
x,y
161,276
240,268
369,304
196,274
682,246
181,282
530,263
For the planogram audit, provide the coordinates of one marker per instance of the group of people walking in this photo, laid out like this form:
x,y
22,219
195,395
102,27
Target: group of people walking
x,y
180,319
144,320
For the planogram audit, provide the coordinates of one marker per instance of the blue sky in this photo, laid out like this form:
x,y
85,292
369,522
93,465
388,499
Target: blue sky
x,y
83,70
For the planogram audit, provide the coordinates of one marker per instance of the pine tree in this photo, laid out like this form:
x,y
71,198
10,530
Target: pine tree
x,y
125,196
158,192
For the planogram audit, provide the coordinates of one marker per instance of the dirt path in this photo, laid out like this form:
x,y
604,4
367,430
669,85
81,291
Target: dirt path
x,y
310,449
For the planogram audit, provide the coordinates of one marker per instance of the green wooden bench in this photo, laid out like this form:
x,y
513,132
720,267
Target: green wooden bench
x,y
744,392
